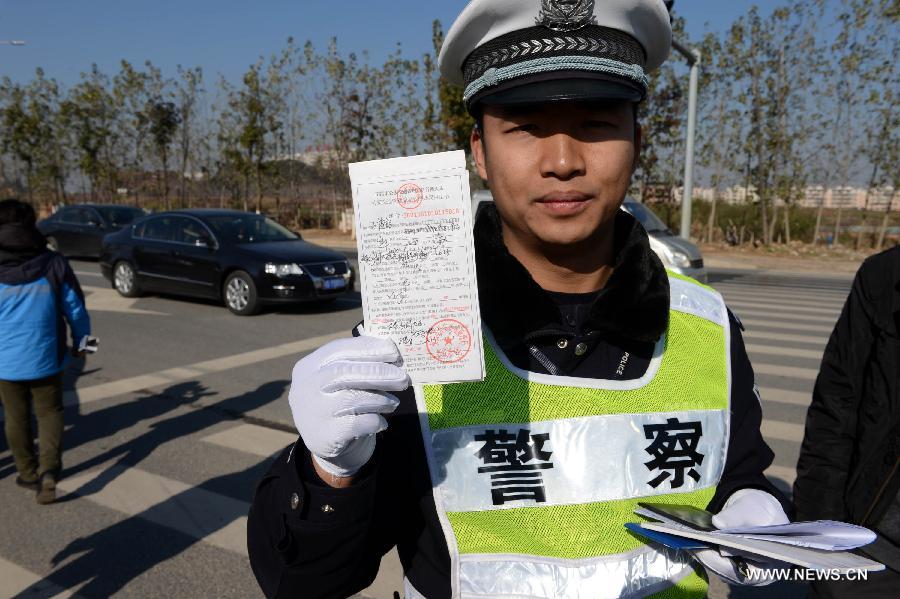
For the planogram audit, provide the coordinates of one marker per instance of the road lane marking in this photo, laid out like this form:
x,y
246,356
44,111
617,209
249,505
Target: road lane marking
x,y
192,510
766,336
794,398
782,326
782,431
780,308
790,352
100,299
788,475
252,439
778,296
194,371
778,316
15,579
804,293
81,273
793,372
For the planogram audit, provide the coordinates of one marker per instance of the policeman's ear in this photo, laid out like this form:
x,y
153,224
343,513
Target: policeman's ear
x,y
479,149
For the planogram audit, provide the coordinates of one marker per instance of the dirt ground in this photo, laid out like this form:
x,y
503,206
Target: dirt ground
x,y
840,260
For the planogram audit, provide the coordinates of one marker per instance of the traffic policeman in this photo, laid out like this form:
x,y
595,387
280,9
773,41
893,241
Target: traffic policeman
x,y
608,380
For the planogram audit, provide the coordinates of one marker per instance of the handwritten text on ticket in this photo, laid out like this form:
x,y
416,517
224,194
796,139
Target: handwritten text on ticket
x,y
417,263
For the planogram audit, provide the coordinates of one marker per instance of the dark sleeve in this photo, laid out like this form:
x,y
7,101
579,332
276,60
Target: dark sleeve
x,y
830,434
748,454
319,544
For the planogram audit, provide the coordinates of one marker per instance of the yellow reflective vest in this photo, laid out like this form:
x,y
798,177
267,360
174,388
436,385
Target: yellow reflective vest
x,y
534,476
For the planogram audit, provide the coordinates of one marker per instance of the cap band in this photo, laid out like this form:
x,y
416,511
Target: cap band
x,y
496,76
535,42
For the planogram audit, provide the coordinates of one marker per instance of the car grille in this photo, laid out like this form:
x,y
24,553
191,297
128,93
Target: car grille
x,y
318,270
697,263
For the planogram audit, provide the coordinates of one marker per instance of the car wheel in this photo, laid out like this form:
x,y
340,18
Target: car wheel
x,y
125,280
240,294
52,244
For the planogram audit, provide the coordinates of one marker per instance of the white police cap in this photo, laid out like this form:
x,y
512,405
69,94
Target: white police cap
x,y
527,51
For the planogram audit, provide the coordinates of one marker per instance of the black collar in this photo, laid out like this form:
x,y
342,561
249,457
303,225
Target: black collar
x,y
633,307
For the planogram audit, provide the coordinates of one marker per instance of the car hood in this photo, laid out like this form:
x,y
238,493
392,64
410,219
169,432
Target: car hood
x,y
680,244
300,252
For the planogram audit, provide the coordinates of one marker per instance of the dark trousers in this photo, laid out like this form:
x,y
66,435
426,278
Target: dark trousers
x,y
17,397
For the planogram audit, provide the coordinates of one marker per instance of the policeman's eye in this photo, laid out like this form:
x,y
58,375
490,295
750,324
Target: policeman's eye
x,y
524,128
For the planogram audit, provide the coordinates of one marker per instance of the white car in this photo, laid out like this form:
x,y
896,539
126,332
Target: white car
x,y
677,254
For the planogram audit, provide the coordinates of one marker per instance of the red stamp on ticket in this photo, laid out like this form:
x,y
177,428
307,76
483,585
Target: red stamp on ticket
x,y
410,196
448,341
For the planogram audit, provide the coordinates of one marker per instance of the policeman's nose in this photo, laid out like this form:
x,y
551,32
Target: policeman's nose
x,y
562,157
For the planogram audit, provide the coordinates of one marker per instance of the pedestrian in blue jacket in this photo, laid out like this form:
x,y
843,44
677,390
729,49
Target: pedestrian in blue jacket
x,y
38,295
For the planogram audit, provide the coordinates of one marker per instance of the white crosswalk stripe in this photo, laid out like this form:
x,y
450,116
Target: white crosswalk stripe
x,y
784,324
778,316
769,307
790,352
252,439
15,579
218,520
770,323
803,339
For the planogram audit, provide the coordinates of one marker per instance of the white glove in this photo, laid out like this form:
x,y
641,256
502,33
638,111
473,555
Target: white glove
x,y
338,395
747,507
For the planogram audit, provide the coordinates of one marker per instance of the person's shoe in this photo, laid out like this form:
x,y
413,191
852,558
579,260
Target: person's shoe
x,y
47,490
28,483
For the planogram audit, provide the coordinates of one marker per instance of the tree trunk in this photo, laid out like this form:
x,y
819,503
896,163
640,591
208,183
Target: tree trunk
x,y
819,211
787,224
885,221
770,234
259,190
837,227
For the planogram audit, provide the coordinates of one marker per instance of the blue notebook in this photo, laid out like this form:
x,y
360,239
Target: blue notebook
x,y
662,538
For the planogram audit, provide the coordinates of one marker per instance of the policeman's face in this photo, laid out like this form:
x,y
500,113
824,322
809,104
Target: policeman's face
x,y
558,171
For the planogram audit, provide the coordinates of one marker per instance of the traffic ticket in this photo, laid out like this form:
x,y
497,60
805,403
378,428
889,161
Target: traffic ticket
x,y
417,263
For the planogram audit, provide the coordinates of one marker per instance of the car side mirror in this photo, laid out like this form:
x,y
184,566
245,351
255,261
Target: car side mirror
x,y
93,223
204,241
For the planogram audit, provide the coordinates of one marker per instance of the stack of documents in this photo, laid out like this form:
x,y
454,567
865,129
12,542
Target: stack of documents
x,y
819,545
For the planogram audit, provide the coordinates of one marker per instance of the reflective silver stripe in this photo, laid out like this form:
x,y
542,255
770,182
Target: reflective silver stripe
x,y
592,459
638,573
696,300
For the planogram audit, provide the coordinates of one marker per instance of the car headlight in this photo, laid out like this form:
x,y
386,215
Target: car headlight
x,y
283,270
680,259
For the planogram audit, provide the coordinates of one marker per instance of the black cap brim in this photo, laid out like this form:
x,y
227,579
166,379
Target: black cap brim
x,y
559,87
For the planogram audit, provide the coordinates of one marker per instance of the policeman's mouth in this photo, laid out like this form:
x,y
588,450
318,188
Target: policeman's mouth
x,y
564,203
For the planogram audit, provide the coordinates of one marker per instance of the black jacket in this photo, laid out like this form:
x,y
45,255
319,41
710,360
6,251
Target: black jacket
x,y
308,552
849,466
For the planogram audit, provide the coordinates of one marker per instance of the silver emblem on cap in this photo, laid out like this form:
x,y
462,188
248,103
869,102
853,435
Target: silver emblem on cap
x,y
566,15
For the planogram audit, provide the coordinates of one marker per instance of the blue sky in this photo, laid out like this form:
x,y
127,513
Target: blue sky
x,y
224,36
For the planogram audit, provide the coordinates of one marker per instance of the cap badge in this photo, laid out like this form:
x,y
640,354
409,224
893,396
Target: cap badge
x,y
566,15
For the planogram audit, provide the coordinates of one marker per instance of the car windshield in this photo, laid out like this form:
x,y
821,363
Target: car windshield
x,y
248,228
646,217
119,216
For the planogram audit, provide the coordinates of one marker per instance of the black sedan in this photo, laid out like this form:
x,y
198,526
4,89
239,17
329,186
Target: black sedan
x,y
243,259
79,230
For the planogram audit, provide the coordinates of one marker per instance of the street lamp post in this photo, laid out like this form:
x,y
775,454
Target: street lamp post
x,y
693,57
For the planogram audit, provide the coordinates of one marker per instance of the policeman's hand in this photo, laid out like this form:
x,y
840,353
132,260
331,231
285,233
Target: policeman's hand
x,y
338,396
747,507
